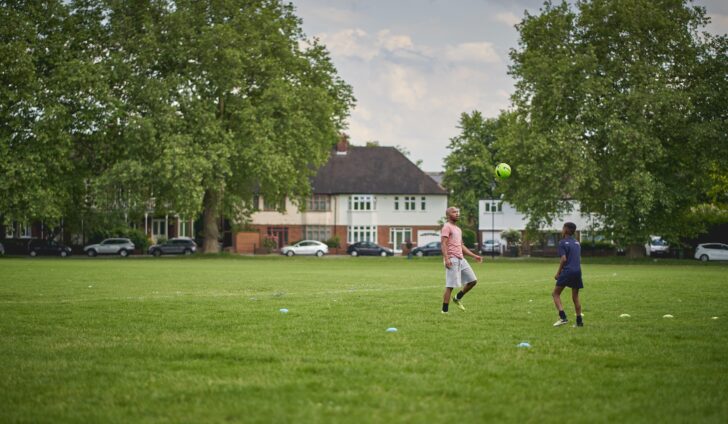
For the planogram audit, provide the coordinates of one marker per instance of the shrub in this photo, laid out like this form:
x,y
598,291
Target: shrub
x,y
269,243
469,238
334,242
513,237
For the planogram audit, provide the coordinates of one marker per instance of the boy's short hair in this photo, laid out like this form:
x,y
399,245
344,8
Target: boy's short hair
x,y
571,226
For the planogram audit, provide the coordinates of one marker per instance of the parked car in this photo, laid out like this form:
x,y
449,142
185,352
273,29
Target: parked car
x,y
306,247
490,246
113,246
47,247
430,249
179,245
2,250
657,247
367,248
712,252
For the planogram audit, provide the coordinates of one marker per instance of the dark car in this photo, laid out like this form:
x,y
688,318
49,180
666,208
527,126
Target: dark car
x,y
182,245
48,247
430,249
367,248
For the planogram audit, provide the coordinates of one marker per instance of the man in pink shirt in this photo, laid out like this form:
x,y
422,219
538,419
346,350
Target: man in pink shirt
x,y
457,269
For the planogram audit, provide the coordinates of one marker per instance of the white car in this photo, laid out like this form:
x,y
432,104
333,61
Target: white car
x,y
306,247
113,246
657,246
712,252
490,246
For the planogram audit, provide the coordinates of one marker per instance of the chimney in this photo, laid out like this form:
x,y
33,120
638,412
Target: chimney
x,y
342,145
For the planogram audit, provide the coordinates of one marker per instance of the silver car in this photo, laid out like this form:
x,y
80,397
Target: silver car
x,y
306,247
113,246
712,252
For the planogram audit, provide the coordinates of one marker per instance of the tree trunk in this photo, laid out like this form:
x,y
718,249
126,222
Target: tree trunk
x,y
210,232
635,251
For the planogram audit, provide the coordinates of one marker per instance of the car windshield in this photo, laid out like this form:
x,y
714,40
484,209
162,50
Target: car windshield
x,y
659,242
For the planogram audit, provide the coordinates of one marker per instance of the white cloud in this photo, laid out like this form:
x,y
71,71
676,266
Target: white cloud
x,y
404,85
473,52
507,18
393,42
352,42
718,23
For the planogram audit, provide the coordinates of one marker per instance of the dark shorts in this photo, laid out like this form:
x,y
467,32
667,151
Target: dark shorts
x,y
571,279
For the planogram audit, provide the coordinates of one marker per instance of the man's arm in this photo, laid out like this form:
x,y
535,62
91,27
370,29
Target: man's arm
x,y
443,248
467,252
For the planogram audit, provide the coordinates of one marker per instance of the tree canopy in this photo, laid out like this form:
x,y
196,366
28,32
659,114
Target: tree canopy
x,y
469,165
620,105
186,106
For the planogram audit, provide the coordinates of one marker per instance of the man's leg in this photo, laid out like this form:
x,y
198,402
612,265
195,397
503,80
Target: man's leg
x,y
466,274
559,307
577,306
465,289
446,299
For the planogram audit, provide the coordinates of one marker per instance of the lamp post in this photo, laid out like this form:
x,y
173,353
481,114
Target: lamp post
x,y
492,230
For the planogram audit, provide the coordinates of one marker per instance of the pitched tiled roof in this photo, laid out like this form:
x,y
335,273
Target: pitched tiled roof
x,y
373,170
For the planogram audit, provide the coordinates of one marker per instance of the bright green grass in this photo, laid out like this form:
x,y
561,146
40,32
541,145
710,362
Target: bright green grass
x,y
202,340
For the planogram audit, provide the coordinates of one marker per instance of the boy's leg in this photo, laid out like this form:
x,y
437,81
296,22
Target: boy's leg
x,y
559,307
577,306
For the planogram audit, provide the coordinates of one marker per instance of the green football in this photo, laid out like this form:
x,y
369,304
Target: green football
x,y
503,171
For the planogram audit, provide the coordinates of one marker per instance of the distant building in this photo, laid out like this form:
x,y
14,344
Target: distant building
x,y
496,216
369,193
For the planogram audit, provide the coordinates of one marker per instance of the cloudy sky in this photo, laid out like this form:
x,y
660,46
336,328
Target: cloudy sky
x,y
416,65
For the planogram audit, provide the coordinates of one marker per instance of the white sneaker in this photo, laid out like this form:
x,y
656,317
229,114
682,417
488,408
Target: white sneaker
x,y
561,322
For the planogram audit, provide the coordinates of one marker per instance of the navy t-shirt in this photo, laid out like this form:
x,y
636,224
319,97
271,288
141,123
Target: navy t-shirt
x,y
570,248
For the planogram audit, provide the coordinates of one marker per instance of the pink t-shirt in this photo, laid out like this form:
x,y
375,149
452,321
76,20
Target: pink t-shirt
x,y
454,240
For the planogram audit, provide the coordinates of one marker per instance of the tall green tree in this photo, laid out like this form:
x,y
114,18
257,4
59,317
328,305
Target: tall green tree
x,y
228,98
112,106
618,106
470,164
34,124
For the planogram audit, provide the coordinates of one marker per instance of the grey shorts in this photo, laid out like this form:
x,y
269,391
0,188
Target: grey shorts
x,y
459,273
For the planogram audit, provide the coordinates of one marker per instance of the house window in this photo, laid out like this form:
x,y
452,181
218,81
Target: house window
x,y
185,229
158,228
362,202
396,203
271,205
357,233
494,207
317,232
25,231
423,203
319,202
409,203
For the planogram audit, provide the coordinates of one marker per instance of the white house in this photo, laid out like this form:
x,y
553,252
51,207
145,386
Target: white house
x,y
362,193
496,216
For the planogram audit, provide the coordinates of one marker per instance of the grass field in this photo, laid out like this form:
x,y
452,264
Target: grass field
x,y
203,340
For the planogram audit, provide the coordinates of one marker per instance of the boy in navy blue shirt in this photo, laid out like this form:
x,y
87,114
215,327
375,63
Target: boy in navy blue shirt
x,y
569,274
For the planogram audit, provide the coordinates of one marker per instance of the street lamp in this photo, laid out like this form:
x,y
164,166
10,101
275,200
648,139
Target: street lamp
x,y
492,230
